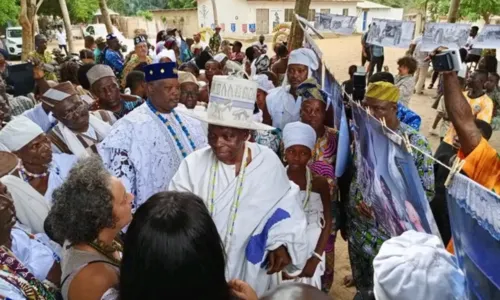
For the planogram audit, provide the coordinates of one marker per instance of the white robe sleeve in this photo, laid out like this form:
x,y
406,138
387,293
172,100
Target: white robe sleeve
x,y
38,115
121,166
181,182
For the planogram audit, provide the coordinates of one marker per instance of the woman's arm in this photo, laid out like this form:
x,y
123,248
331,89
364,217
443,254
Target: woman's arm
x,y
92,282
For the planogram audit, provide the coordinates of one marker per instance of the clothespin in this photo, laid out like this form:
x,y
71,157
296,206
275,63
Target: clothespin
x,y
406,141
455,168
384,124
367,110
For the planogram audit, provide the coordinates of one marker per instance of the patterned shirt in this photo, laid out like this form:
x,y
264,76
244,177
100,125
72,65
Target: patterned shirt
x,y
238,57
45,58
364,233
495,97
130,66
482,108
406,85
409,117
324,156
214,43
114,59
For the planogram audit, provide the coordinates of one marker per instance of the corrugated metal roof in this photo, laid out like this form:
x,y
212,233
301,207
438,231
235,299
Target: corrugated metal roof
x,y
369,4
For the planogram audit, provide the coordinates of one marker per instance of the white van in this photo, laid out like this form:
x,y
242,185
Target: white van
x,y
99,30
13,41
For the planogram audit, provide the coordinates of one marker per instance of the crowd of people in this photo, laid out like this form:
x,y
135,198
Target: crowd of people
x,y
199,170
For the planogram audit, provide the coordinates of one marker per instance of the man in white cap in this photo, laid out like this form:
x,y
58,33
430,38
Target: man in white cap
x,y
416,266
38,173
190,93
255,207
146,147
77,131
104,86
283,104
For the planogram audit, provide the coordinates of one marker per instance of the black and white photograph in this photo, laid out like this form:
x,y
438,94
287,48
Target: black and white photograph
x,y
488,37
452,36
344,25
391,33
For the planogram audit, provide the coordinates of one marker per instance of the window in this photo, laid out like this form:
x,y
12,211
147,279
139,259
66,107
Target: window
x,y
345,12
312,15
289,14
324,10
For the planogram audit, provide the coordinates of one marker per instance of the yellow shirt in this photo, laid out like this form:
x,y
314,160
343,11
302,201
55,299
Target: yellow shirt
x,y
482,108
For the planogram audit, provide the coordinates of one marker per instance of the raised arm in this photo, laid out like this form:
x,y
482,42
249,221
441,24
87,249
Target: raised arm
x,y
460,114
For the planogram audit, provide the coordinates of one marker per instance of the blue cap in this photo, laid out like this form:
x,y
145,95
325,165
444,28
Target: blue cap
x,y
160,71
111,36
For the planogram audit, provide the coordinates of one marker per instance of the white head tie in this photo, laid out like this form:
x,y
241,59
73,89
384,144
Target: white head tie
x,y
18,133
298,133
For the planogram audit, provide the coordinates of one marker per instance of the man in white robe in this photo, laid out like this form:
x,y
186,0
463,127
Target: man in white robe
x,y
255,207
283,104
145,148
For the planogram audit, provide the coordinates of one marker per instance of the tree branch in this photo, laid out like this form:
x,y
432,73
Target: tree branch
x,y
40,2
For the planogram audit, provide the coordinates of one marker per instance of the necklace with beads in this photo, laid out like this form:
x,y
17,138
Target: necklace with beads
x,y
107,250
236,198
172,131
26,175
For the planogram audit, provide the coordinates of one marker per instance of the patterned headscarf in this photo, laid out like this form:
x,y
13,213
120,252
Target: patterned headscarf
x,y
384,91
310,89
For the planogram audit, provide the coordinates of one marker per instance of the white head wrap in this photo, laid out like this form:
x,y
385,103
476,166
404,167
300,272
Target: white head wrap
x,y
264,83
304,56
99,71
220,57
18,133
165,53
416,265
298,133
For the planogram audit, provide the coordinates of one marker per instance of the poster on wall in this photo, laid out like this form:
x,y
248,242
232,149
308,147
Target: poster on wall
x,y
476,236
339,24
391,33
453,36
388,179
205,17
488,38
276,16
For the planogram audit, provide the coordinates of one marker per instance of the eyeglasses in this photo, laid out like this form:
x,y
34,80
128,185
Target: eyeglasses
x,y
75,111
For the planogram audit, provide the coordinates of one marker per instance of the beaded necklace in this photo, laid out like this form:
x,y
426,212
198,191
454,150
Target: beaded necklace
x,y
26,175
236,198
172,131
106,250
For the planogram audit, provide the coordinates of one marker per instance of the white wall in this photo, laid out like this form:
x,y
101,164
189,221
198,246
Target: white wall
x,y
378,13
242,12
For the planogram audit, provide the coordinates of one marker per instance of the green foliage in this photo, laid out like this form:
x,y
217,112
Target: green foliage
x,y
479,9
181,4
9,11
79,10
146,15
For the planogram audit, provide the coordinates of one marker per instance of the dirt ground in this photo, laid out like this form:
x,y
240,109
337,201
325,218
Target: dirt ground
x,y
339,54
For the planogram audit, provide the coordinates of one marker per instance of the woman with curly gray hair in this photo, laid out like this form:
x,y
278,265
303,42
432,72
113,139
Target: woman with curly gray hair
x,y
90,209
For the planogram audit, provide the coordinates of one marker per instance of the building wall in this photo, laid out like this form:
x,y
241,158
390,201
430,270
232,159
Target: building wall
x,y
377,13
127,25
243,14
185,20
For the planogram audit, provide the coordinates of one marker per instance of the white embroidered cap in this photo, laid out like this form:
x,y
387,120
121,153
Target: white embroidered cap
x,y
264,83
220,57
416,265
58,93
165,53
99,71
298,133
231,104
304,56
18,133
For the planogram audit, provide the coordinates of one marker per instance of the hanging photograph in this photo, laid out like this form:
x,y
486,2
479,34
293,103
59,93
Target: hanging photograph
x,y
452,36
488,38
339,24
391,33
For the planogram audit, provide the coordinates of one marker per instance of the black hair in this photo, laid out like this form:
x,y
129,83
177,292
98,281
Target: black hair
x,y
249,53
213,61
172,247
482,73
82,75
191,65
89,39
485,128
202,59
255,108
134,78
86,53
282,51
491,63
352,69
160,36
238,44
463,54
382,76
475,28
409,62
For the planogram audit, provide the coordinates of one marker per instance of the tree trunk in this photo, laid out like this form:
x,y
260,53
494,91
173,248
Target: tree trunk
x,y
67,25
486,17
453,12
296,33
36,25
26,16
214,8
105,16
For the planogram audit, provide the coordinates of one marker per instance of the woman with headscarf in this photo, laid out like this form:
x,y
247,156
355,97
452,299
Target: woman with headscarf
x,y
171,44
90,209
324,155
299,140
140,56
283,103
38,173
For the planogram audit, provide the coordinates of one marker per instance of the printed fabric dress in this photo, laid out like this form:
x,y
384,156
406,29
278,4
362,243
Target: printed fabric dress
x,y
322,163
365,236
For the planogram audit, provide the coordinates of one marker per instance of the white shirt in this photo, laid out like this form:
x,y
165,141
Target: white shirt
x,y
419,56
470,44
61,38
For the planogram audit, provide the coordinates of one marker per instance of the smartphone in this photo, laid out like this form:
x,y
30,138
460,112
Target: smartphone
x,y
447,61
